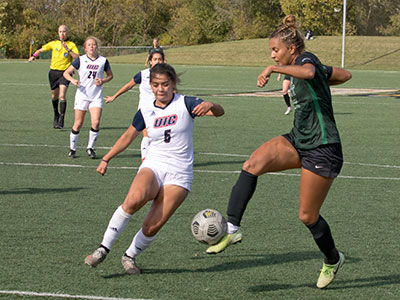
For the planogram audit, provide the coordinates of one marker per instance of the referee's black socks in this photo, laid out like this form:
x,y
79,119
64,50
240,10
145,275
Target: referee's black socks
x,y
55,106
241,194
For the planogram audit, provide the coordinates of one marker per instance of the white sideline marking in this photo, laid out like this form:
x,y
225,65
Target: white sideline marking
x,y
195,170
201,153
56,295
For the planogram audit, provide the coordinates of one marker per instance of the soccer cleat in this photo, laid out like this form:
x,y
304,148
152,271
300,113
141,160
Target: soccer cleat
x,y
61,121
228,239
96,257
56,123
328,272
129,265
71,154
289,109
91,153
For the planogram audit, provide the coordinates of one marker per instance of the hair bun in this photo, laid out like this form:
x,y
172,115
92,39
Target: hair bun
x,y
289,21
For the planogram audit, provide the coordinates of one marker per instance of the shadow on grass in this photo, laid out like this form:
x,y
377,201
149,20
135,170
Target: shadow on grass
x,y
337,285
24,191
214,163
375,58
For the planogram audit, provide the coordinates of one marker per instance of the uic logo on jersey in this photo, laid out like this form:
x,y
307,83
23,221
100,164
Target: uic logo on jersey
x,y
92,67
165,121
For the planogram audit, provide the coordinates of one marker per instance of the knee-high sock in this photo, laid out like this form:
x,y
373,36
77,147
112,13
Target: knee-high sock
x,y
93,135
73,139
241,194
63,107
55,106
139,244
287,99
117,224
323,238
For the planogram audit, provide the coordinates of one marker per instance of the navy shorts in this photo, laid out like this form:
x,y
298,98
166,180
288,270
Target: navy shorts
x,y
56,78
325,160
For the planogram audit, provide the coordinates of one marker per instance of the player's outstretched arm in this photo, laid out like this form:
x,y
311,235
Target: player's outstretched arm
x,y
339,76
35,54
121,91
120,145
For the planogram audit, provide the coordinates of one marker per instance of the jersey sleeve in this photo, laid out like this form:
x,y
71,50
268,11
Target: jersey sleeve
x,y
138,121
305,58
74,48
287,77
48,46
138,78
107,66
329,71
191,103
76,63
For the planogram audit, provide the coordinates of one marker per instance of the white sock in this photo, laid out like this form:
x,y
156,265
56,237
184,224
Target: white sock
x,y
139,244
144,145
117,224
73,140
93,135
230,228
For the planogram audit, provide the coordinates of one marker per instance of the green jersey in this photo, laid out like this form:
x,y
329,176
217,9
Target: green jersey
x,y
314,123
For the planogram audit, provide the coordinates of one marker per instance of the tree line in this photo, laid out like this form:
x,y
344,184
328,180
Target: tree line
x,y
183,22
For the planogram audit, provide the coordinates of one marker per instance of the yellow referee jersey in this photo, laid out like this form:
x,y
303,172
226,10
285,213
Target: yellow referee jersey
x,y
60,58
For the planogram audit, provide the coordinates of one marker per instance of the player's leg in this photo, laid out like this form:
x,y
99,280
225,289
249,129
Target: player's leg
x,y
144,144
63,100
74,135
285,92
169,198
144,188
95,115
275,155
313,191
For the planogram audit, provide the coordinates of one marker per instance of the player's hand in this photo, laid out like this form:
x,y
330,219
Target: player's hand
x,y
102,168
99,82
109,99
64,45
76,82
32,58
263,78
202,109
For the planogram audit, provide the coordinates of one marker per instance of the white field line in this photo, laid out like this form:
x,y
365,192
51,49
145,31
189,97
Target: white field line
x,y
195,170
198,153
57,295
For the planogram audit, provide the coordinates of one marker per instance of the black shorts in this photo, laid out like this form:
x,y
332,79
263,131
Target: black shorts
x,y
56,78
325,160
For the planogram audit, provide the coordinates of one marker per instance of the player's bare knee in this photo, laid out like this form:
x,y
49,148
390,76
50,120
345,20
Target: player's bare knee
x,y
308,218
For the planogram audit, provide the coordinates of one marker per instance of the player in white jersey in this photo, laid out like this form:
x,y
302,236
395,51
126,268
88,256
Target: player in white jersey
x,y
89,94
146,94
166,175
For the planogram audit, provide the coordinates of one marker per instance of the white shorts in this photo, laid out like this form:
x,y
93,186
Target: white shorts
x,y
167,178
87,104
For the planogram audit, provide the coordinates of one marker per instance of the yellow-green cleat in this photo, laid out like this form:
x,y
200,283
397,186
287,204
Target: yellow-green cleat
x,y
228,239
328,272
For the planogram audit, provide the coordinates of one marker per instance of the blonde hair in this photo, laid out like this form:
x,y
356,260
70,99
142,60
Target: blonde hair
x,y
92,38
289,34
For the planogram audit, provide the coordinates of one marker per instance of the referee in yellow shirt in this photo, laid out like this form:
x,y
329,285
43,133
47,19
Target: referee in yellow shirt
x,y
63,52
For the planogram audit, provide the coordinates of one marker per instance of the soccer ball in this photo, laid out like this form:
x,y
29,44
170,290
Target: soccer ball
x,y
208,226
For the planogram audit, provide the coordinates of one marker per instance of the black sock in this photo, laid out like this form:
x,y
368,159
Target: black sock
x,y
63,106
241,194
323,237
55,106
287,99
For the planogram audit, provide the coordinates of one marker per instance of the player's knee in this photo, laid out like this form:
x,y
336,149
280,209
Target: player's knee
x,y
308,218
150,230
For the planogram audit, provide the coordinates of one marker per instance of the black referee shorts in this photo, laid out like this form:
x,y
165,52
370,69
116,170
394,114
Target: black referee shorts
x,y
325,160
56,78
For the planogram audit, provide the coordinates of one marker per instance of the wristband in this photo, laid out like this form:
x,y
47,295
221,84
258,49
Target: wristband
x,y
105,160
34,55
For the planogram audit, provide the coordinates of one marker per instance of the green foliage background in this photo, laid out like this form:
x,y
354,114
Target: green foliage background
x,y
183,22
